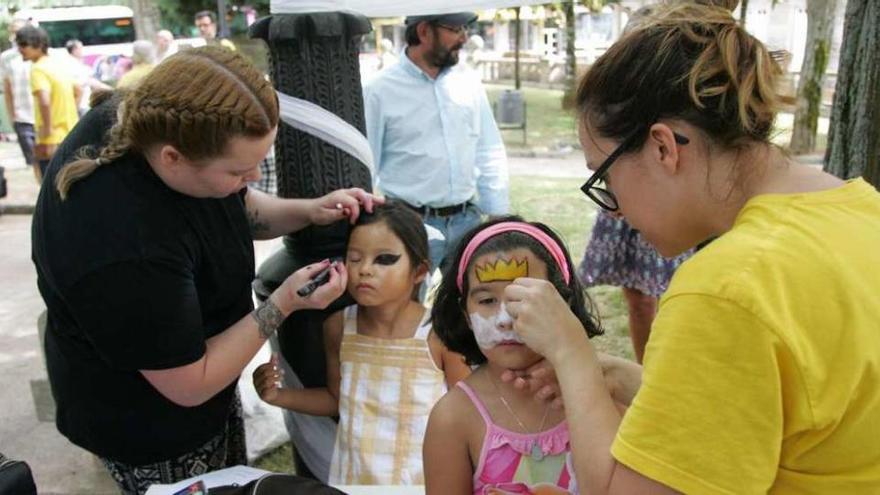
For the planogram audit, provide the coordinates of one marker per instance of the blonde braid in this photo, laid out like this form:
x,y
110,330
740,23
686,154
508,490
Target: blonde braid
x,y
83,166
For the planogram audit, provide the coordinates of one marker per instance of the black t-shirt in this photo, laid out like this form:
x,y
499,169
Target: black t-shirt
x,y
134,276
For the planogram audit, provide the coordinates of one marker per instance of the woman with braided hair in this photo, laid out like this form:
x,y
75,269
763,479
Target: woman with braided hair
x,y
762,372
143,243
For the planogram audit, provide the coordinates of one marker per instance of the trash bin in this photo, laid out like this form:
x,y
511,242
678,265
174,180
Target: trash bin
x,y
510,111
511,108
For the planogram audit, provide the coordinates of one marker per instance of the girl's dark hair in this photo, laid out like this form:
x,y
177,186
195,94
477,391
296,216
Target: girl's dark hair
x,y
688,60
407,225
450,306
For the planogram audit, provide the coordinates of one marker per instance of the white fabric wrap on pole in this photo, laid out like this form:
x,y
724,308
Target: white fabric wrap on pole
x,y
315,120
392,8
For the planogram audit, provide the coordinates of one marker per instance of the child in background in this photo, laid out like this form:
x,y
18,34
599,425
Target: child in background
x,y
485,436
385,367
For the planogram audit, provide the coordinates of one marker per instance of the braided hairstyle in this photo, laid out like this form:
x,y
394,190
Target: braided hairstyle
x,y
196,100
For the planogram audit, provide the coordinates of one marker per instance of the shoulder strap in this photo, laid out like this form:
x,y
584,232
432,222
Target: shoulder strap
x,y
472,395
350,319
425,326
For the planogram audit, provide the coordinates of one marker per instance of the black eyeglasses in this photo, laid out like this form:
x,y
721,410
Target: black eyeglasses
x,y
601,195
457,30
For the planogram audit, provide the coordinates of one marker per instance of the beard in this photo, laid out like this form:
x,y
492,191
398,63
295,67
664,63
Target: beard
x,y
442,57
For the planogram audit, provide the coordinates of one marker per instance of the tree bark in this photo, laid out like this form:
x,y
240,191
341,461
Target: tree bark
x,y
820,28
146,19
854,134
743,10
516,35
570,55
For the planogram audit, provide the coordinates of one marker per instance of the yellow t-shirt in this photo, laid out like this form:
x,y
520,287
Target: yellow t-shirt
x,y
53,76
762,373
134,76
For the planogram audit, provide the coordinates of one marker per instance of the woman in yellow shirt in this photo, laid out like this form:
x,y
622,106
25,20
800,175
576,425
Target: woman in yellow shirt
x,y
762,372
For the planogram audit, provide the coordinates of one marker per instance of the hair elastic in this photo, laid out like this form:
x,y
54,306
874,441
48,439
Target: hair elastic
x,y
539,235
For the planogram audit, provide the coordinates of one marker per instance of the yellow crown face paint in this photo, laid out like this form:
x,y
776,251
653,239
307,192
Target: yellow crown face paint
x,y
502,270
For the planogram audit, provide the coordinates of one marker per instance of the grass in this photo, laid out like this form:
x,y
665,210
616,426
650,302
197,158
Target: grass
x,y
279,460
551,127
560,204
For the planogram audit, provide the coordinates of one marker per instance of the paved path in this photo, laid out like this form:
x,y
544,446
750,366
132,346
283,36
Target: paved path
x,y
58,465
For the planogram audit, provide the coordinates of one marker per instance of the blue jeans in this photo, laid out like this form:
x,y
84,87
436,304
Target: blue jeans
x,y
452,227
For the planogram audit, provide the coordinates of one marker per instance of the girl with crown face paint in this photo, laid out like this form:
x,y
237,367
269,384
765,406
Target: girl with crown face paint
x,y
485,436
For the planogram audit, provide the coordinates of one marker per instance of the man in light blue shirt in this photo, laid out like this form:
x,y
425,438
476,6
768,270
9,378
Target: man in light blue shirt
x,y
434,139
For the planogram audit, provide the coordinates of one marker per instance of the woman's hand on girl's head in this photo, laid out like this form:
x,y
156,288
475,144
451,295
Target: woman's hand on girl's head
x,y
543,319
267,380
343,203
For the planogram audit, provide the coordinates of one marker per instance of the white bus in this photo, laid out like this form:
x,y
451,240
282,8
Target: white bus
x,y
103,30
106,31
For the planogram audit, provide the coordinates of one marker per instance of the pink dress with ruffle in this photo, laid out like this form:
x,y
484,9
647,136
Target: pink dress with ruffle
x,y
510,462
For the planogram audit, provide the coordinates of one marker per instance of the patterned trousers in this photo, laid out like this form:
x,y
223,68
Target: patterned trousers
x,y
224,450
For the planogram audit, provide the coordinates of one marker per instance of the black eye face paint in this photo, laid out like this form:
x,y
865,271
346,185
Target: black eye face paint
x,y
387,259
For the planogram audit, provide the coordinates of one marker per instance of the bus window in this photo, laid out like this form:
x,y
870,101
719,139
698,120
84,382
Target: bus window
x,y
90,32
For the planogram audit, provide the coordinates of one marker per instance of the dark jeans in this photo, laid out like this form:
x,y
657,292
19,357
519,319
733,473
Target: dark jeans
x,y
25,133
452,227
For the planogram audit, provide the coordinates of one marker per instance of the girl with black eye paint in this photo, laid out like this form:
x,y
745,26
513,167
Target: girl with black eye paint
x,y
385,365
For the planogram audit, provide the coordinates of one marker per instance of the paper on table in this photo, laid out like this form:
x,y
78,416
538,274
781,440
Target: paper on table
x,y
237,475
381,489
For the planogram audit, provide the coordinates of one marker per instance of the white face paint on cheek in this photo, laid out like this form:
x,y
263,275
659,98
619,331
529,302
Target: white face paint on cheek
x,y
488,332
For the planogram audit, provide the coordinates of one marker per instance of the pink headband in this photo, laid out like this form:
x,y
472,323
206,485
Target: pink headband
x,y
499,228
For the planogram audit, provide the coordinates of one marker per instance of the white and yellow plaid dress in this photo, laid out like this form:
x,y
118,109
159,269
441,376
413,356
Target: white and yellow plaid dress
x,y
386,392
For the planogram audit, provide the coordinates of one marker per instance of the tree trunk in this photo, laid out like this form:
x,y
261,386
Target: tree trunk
x,y
516,35
146,19
820,28
854,134
743,10
570,55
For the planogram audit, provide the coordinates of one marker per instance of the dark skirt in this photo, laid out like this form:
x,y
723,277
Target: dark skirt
x,y
618,255
227,449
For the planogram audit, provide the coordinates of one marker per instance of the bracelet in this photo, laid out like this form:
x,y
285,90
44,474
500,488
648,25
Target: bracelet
x,y
268,317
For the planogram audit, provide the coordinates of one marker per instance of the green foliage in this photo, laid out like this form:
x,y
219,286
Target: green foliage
x,y
596,5
4,33
177,15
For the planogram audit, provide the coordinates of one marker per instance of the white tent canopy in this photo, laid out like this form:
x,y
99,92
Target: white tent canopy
x,y
392,8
